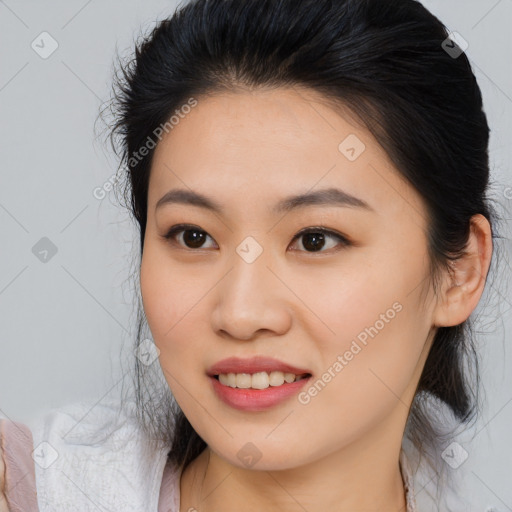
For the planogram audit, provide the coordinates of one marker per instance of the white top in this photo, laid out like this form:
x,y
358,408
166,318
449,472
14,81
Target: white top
x,y
81,467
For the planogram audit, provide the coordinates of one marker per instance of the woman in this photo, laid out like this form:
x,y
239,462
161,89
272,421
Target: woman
x,y
309,179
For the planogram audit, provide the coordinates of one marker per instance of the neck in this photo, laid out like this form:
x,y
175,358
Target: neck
x,y
363,475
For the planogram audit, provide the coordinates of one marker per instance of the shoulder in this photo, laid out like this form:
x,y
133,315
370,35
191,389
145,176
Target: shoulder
x,y
95,457
428,491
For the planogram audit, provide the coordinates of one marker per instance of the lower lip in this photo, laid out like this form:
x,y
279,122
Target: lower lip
x,y
256,399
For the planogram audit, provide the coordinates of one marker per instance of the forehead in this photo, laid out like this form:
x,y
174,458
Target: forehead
x,y
266,144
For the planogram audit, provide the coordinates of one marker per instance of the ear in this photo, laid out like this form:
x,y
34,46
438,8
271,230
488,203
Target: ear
x,y
464,286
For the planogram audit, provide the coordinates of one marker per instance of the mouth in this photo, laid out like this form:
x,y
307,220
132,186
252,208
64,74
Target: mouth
x,y
256,385
259,380
258,372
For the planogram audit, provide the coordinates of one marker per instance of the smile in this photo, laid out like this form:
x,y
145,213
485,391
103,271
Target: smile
x,y
259,380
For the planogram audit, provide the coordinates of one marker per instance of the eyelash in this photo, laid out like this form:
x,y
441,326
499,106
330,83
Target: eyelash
x,y
179,228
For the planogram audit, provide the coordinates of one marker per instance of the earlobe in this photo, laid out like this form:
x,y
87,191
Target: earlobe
x,y
465,284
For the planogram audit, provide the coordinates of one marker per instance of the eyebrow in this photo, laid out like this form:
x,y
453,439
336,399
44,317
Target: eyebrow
x,y
324,197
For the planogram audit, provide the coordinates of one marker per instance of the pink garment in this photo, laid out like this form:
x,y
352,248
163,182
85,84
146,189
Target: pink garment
x,y
16,445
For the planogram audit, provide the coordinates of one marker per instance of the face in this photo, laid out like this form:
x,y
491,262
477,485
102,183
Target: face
x,y
342,304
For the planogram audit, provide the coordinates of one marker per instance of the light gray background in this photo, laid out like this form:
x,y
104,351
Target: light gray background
x,y
64,323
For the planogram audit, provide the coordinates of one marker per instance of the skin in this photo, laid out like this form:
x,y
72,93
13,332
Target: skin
x,y
248,150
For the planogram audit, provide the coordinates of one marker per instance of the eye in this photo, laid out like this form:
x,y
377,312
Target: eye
x,y
314,238
192,237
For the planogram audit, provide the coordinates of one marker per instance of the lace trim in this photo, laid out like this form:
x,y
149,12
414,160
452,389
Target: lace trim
x,y
407,478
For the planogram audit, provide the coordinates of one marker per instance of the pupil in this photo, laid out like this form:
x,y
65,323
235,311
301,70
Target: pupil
x,y
195,240
315,239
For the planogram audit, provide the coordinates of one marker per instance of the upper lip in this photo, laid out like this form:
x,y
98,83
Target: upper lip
x,y
253,365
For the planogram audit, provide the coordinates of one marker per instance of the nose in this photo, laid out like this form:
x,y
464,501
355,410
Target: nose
x,y
251,302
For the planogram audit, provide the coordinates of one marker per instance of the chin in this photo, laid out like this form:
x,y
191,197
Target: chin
x,y
261,456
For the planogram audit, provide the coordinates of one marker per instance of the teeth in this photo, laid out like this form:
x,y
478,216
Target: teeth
x,y
260,380
243,380
277,378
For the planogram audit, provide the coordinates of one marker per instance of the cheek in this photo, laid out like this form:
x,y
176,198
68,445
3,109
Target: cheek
x,y
168,295
155,300
366,371
174,307
371,317
162,309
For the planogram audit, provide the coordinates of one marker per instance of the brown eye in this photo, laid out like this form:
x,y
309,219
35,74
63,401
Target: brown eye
x,y
314,239
191,237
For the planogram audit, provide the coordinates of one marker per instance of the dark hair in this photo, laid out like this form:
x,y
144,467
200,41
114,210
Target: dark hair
x,y
386,62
